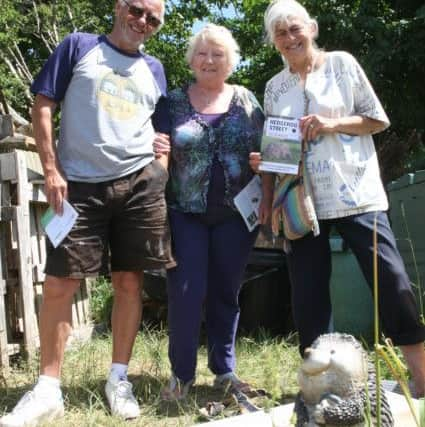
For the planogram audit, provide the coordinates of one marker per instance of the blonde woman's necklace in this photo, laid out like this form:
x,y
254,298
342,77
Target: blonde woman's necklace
x,y
207,99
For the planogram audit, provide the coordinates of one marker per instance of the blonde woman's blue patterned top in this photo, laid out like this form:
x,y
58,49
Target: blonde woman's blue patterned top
x,y
195,143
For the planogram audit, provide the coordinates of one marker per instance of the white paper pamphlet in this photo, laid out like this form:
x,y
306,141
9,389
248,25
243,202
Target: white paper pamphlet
x,y
281,145
248,202
57,226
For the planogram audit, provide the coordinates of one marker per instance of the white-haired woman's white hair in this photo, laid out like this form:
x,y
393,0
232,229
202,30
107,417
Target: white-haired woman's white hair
x,y
218,35
283,11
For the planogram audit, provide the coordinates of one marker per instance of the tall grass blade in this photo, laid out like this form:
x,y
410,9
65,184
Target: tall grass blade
x,y
418,276
376,322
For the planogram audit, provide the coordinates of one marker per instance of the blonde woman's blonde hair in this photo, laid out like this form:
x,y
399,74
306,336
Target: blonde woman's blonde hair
x,y
218,35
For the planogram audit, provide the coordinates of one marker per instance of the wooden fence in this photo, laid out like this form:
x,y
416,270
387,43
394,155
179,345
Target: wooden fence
x,y
22,256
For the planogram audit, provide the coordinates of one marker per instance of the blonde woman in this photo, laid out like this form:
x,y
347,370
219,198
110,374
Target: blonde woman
x,y
215,125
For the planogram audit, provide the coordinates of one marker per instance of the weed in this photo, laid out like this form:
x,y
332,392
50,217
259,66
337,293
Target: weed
x,y
101,300
261,362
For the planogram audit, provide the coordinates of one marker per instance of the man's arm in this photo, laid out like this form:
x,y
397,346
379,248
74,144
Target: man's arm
x,y
42,119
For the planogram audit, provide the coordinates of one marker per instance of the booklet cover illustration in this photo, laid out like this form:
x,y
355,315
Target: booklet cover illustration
x,y
281,145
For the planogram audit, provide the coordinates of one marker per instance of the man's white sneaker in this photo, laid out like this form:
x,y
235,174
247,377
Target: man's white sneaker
x,y
32,409
121,399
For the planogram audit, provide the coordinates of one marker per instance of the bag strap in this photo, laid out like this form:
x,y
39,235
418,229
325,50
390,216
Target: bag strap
x,y
298,180
304,143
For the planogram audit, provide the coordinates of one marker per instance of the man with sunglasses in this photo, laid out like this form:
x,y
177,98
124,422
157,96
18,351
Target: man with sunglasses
x,y
112,96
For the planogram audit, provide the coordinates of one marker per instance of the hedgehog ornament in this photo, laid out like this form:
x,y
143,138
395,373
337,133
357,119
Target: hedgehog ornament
x,y
333,379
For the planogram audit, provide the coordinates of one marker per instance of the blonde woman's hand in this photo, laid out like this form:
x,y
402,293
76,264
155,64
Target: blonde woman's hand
x,y
254,161
161,144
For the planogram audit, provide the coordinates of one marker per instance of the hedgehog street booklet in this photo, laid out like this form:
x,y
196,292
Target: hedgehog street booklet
x,y
248,202
57,226
281,145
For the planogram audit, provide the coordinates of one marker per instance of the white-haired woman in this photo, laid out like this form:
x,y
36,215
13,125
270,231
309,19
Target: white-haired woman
x,y
338,111
214,127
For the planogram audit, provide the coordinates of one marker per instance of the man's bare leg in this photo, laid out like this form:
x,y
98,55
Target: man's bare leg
x,y
55,322
126,316
126,313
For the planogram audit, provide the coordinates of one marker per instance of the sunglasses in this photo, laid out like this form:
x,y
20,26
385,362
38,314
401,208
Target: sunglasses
x,y
138,12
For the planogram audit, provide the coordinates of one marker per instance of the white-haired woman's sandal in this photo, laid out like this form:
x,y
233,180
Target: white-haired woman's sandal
x,y
176,389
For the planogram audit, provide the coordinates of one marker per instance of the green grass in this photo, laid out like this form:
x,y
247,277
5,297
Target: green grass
x,y
264,362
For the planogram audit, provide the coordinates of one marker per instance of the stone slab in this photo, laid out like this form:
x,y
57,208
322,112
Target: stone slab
x,y
281,415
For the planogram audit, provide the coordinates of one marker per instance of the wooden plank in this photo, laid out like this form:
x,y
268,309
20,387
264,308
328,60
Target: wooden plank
x,y
39,261
36,256
4,356
5,199
2,259
13,349
8,170
18,138
6,213
74,313
7,167
6,126
36,193
25,279
35,170
25,270
38,273
21,142
38,291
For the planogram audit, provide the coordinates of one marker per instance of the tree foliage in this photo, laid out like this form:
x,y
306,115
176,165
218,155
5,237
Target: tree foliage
x,y
386,36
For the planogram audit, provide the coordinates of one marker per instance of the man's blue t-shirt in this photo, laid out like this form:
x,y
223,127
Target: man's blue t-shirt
x,y
112,103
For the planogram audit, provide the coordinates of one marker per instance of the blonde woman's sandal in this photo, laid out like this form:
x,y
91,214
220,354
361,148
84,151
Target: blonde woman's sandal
x,y
176,389
230,382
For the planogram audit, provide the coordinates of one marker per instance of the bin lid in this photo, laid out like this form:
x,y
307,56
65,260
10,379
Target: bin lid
x,y
401,182
408,179
419,176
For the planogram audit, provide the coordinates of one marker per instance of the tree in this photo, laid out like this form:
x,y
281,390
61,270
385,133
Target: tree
x,y
33,28
386,36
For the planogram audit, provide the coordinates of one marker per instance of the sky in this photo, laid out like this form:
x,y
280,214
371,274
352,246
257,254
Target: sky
x,y
227,12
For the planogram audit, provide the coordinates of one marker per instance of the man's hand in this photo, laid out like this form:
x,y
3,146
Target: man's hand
x,y
161,144
56,188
